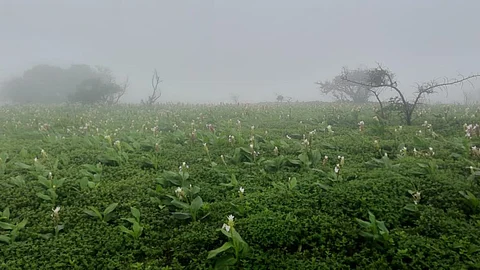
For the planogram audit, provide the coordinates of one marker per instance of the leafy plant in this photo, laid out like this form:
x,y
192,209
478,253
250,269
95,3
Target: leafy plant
x,y
429,169
105,216
92,176
472,201
12,229
137,228
50,185
189,202
230,252
384,162
233,182
286,186
375,230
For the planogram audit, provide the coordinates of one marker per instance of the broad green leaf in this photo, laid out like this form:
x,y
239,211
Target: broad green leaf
x,y
293,182
92,184
6,212
212,253
84,183
371,217
195,190
22,165
131,220
324,186
60,227
43,196
411,207
234,180
19,181
110,208
196,204
92,213
44,181
382,227
125,230
135,213
236,236
180,204
59,182
363,223
22,224
7,226
4,238
137,229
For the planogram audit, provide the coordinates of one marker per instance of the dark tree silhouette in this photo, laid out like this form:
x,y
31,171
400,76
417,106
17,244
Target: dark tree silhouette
x,y
382,78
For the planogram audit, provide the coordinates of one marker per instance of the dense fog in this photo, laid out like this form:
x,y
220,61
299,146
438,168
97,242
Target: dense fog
x,y
211,51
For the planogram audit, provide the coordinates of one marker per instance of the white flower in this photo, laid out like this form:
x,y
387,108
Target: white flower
x,y
242,190
337,168
226,227
230,217
55,211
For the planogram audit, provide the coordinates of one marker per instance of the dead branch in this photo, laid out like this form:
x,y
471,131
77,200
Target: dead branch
x,y
383,78
156,94
120,94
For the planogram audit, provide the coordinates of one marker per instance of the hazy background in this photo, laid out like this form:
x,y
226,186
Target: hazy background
x,y
205,50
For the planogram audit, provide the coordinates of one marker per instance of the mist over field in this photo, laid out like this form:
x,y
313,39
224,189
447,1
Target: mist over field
x,y
205,51
151,134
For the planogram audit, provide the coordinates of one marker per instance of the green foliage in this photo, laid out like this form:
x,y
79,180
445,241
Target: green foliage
x,y
298,204
375,230
137,228
12,229
105,216
231,252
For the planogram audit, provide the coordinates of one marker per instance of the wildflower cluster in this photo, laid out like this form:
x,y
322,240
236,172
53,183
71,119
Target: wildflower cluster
x,y
471,130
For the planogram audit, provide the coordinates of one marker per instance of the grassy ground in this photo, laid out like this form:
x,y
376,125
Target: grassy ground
x,y
131,187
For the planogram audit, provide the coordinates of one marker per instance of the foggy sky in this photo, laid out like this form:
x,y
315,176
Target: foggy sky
x,y
206,50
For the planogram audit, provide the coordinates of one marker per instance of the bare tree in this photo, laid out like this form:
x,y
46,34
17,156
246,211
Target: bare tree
x,y
157,93
382,78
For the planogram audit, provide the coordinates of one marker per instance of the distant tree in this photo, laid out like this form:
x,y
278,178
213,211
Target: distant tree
x,y
343,90
280,98
97,90
235,98
156,92
382,78
47,84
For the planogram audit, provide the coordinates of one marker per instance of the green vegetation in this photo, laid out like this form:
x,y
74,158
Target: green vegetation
x,y
265,186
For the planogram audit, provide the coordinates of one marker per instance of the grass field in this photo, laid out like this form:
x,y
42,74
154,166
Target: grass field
x,y
261,186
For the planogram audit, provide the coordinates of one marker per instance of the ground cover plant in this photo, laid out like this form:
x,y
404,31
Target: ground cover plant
x,y
259,186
